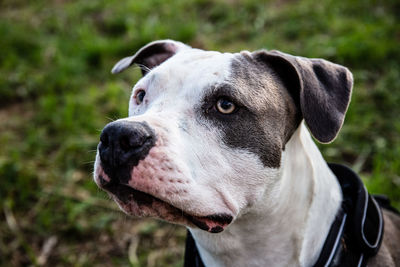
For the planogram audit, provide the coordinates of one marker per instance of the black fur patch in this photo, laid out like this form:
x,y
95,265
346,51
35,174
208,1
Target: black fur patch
x,y
266,114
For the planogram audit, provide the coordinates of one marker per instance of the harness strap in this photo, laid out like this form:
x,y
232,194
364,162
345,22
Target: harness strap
x,y
362,233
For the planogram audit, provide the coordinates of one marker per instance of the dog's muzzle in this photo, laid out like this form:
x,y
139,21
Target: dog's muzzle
x,y
122,145
133,170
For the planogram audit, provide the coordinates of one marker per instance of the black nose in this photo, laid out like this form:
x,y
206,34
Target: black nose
x,y
124,143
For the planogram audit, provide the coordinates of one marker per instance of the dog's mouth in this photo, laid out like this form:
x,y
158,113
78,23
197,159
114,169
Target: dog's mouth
x,y
138,203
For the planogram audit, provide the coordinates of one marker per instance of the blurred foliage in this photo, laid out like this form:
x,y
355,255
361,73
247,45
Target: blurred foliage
x,y
56,94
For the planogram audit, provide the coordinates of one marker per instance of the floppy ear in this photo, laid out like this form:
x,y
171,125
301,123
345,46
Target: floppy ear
x,y
150,56
321,89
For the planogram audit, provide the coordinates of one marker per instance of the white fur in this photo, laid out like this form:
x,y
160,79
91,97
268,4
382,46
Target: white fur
x,y
288,226
281,215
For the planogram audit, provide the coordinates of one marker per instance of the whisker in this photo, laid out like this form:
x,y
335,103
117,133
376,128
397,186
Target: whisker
x,y
144,67
88,162
110,119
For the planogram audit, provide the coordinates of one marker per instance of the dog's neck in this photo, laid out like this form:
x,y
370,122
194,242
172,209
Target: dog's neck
x,y
289,225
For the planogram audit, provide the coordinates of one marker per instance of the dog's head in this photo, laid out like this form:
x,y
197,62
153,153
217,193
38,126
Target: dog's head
x,y
206,130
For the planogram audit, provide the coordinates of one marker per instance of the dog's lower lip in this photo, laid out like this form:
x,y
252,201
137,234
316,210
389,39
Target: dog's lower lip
x,y
214,223
126,193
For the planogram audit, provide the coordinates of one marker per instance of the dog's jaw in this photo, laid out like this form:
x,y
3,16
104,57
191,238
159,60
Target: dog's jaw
x,y
284,228
140,204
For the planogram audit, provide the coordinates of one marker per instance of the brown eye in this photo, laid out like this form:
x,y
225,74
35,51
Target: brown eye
x,y
225,106
139,96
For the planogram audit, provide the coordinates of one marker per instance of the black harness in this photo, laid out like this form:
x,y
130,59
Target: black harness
x,y
355,235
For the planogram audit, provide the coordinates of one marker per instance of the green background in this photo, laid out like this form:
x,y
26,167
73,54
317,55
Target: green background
x,y
57,93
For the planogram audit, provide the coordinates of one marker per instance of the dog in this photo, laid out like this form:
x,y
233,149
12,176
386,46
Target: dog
x,y
221,143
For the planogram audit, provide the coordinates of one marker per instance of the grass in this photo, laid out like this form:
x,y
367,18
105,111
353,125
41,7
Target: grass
x,y
56,94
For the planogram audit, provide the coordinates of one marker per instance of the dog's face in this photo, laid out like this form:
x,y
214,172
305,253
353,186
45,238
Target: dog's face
x,y
206,130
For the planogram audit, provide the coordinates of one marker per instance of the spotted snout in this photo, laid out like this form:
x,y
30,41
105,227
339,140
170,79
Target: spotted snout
x,y
122,145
